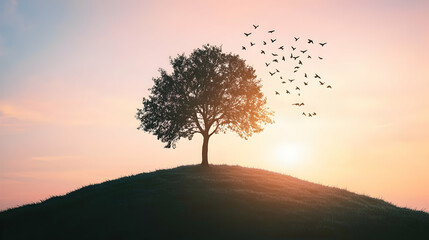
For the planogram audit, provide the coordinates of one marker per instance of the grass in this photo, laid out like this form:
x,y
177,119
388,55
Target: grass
x,y
216,202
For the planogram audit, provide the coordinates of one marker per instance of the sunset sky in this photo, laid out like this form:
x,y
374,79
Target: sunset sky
x,y
73,73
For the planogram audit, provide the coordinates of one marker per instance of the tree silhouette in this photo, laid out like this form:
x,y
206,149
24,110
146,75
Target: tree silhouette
x,y
207,93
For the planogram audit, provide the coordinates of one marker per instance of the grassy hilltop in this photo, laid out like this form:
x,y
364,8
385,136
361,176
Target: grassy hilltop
x,y
216,202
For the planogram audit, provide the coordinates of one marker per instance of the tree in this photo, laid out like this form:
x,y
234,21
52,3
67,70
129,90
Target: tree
x,y
207,93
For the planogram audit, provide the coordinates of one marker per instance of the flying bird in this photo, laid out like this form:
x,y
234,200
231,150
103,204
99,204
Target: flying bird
x,y
316,76
255,26
267,64
243,47
309,114
277,93
294,58
296,38
291,80
296,104
303,51
300,62
262,52
277,70
281,77
305,74
271,31
274,54
297,88
247,34
265,43
293,48
281,48
295,71
272,73
320,58
296,67
308,56
273,40
283,58
323,44
321,83
305,83
304,114
251,44
291,56
301,104
314,113
275,60
310,41
287,91
329,86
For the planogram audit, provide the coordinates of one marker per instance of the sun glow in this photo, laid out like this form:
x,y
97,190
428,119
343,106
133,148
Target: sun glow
x,y
289,153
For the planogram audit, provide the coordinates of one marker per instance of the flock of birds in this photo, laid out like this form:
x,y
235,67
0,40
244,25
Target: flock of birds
x,y
298,57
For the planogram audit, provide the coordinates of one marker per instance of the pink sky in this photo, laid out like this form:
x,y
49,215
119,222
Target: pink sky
x,y
74,73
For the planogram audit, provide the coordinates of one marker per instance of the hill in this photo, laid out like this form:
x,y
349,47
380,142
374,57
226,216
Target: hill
x,y
216,202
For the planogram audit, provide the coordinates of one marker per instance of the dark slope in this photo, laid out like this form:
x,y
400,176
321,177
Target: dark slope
x,y
218,202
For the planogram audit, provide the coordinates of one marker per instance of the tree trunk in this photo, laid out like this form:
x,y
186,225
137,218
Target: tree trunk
x,y
205,161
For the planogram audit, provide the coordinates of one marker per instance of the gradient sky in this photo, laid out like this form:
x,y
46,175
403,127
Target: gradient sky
x,y
72,74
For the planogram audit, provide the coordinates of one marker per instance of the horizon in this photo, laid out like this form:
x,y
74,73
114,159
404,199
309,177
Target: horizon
x,y
72,75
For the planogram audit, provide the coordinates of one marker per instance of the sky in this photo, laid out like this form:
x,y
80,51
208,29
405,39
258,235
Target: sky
x,y
73,73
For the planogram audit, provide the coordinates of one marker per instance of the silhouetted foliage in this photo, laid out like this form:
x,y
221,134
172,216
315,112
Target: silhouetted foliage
x,y
208,92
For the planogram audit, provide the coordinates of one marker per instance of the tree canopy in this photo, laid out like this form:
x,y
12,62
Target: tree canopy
x,y
207,92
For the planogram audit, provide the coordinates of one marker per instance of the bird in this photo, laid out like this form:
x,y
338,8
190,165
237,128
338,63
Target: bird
x,y
283,82
300,62
271,31
310,41
308,56
329,86
272,73
291,56
243,47
255,26
281,77
296,67
262,52
296,38
316,76
299,94
265,43
301,104
297,88
251,44
247,34
274,54
305,74
294,58
291,80
283,58
303,51
295,71
323,44
273,40
277,93
277,70
320,58
267,64
314,113
296,104
309,114
293,48
275,60
321,83
305,83
281,48
287,91
304,114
